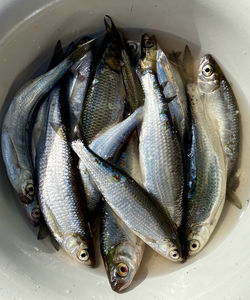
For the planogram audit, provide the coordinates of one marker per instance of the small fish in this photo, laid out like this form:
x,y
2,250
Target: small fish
x,y
174,91
223,110
133,88
15,137
105,98
77,84
207,196
132,204
121,250
106,145
60,194
161,157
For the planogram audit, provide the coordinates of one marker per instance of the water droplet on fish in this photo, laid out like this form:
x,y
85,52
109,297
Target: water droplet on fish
x,y
68,292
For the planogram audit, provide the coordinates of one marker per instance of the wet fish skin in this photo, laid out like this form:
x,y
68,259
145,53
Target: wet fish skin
x,y
132,204
106,144
173,89
15,131
60,196
207,197
121,250
77,84
104,102
133,88
222,108
160,151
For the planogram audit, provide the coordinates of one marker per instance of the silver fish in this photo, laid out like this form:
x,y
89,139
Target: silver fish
x,y
207,198
77,84
133,88
160,151
132,204
104,102
223,110
174,91
121,250
106,145
60,196
15,131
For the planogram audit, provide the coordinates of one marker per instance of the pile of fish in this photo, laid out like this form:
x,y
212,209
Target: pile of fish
x,y
128,135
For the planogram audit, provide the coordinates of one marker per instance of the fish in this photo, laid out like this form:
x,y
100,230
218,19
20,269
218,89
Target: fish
x,y
161,156
223,110
104,103
132,204
207,197
174,91
78,80
121,249
60,195
133,88
106,145
15,137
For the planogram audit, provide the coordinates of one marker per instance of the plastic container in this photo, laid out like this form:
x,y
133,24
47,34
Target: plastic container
x,y
31,269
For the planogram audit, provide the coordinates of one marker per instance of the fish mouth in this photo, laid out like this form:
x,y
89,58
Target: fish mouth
x,y
119,285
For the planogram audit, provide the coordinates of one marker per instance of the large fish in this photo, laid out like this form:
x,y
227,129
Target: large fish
x,y
60,196
161,157
206,196
132,204
16,134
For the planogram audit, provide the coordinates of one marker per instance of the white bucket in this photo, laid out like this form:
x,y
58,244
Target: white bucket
x,y
31,269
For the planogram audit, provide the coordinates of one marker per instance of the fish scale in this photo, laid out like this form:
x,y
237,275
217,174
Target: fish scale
x,y
15,131
131,203
160,152
207,197
104,103
59,193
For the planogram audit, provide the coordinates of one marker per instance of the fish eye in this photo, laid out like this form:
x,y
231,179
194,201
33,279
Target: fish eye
x,y
207,70
174,254
29,189
36,213
148,43
194,245
83,255
122,269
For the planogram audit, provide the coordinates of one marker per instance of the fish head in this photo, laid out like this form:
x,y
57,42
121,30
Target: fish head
x,y
79,247
112,57
134,50
171,249
27,191
122,263
33,212
197,238
148,53
209,74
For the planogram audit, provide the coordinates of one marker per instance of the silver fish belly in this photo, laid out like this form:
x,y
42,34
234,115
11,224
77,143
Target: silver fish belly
x,y
60,196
